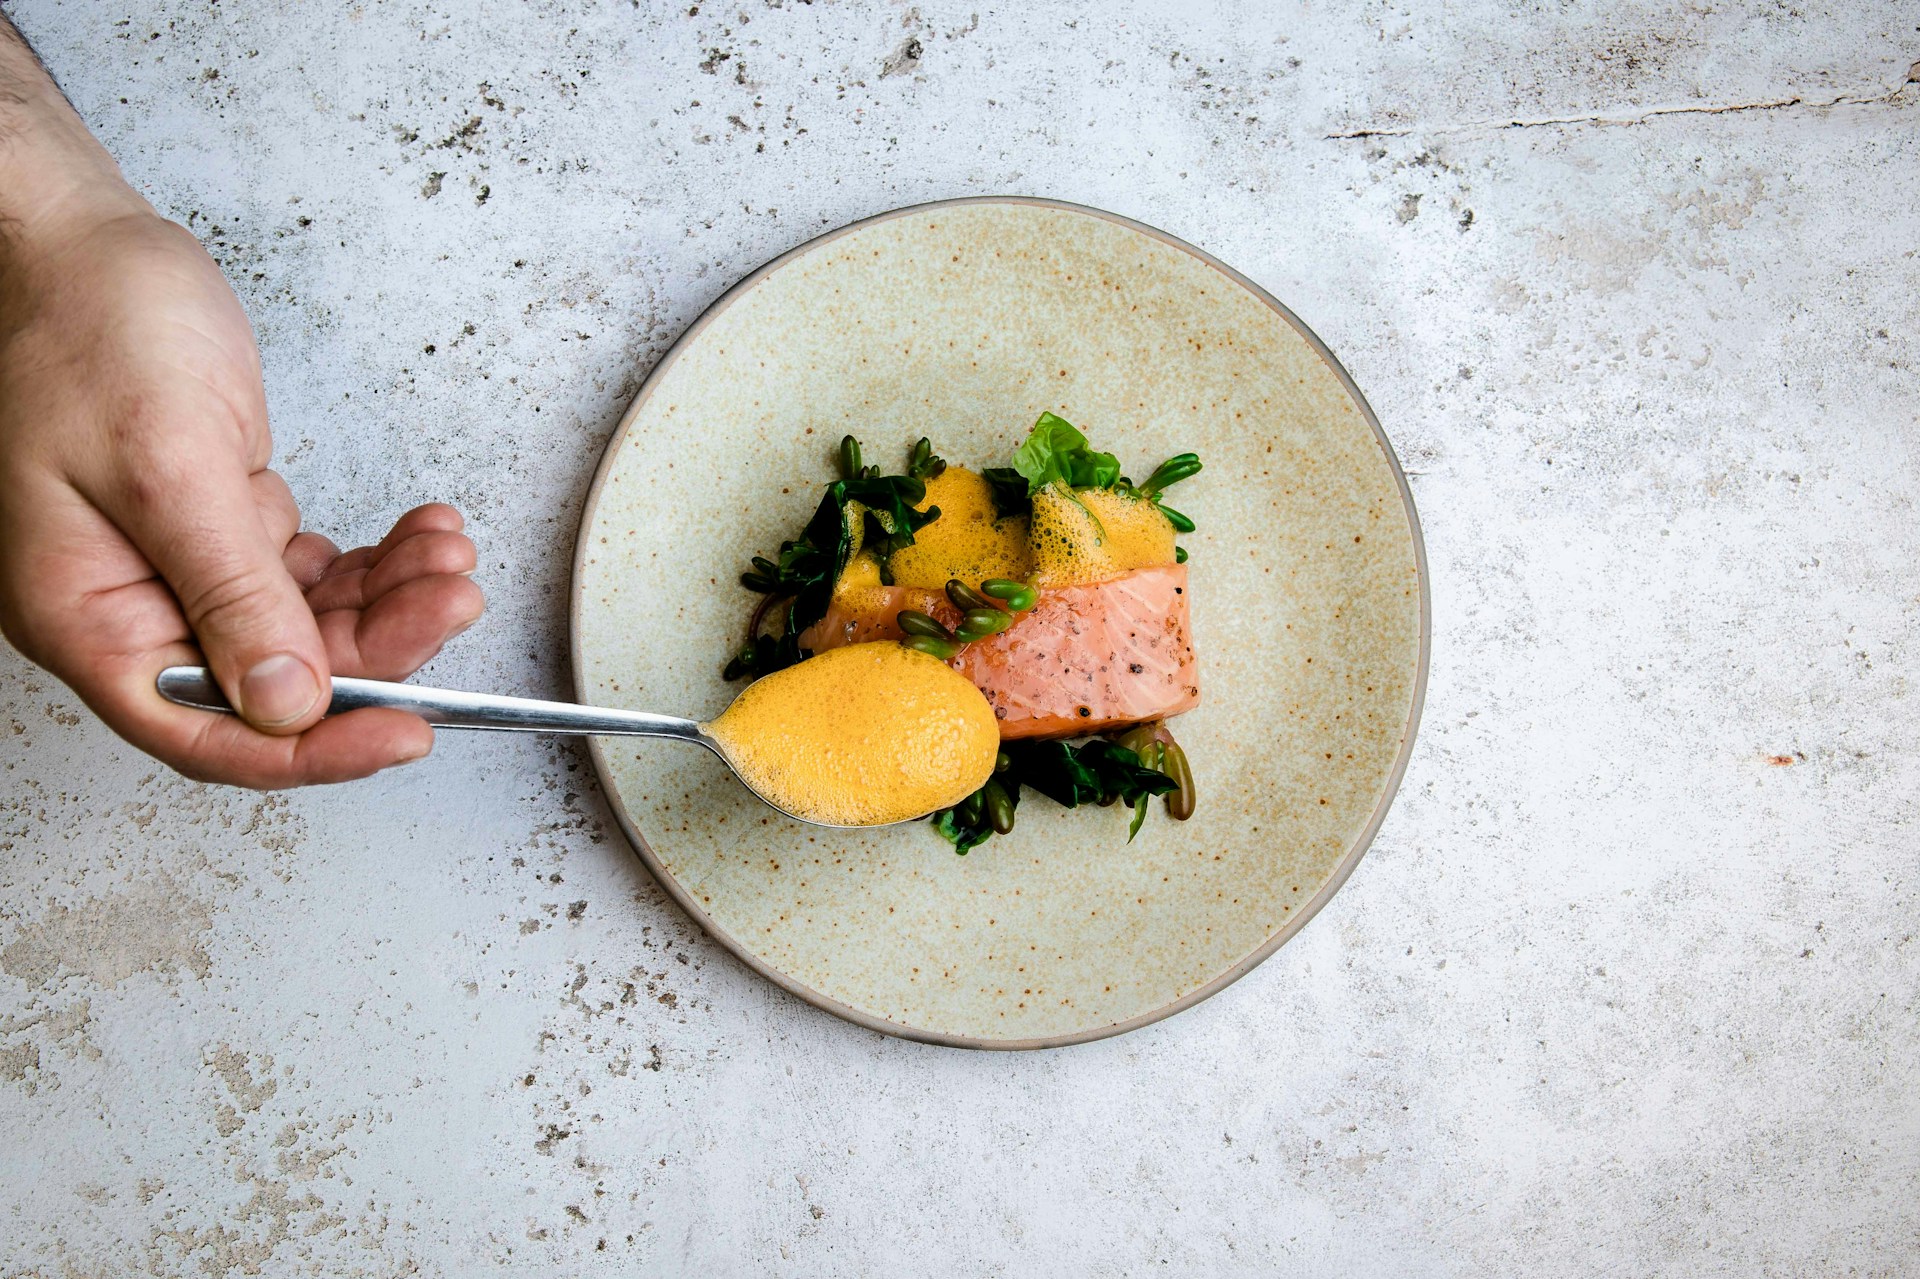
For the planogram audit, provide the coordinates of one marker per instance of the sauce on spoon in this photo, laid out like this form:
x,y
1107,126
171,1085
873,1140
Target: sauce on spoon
x,y
861,736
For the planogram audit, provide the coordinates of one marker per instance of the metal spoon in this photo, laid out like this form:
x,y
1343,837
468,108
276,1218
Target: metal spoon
x,y
446,708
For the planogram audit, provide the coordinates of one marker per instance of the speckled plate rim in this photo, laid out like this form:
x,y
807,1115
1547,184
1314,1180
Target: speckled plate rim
x,y
685,900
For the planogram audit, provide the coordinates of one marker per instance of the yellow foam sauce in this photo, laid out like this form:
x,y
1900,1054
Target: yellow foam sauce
x,y
861,572
1094,534
968,541
859,593
858,590
861,736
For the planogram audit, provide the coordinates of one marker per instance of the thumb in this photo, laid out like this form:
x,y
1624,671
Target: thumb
x,y
205,535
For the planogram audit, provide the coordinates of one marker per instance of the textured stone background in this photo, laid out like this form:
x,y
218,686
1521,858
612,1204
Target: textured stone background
x,y
1629,982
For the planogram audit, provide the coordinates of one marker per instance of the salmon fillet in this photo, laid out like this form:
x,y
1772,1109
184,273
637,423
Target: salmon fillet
x,y
1086,659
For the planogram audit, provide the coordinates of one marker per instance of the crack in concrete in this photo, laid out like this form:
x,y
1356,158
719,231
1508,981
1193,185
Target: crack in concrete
x,y
1651,113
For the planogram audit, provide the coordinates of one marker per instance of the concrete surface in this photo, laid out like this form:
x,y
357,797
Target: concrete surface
x,y
1629,983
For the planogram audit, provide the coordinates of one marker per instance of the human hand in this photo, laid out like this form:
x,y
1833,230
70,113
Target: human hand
x,y
139,525
142,527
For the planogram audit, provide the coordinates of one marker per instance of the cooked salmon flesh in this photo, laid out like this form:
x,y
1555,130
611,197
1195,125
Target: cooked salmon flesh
x,y
1087,658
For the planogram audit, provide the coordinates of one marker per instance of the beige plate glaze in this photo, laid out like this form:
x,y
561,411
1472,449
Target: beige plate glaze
x,y
962,321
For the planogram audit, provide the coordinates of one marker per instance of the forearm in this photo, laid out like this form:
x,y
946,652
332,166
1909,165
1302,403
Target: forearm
x,y
52,172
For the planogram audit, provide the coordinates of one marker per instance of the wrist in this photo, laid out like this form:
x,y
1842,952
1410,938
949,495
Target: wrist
x,y
55,180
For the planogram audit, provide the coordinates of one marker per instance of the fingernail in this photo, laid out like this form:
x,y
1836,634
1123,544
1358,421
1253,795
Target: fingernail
x,y
412,753
278,690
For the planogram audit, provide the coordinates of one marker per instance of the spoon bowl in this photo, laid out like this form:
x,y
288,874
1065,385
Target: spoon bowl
x,y
449,708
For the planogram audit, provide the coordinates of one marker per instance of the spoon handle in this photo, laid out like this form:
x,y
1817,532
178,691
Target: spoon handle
x,y
446,708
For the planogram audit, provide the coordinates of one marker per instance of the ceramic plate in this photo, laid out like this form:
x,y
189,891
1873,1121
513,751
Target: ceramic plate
x,y
962,321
